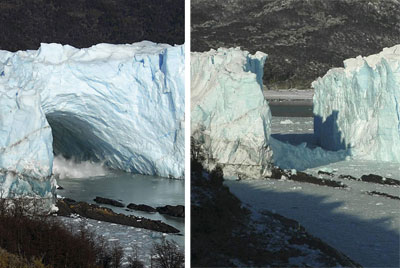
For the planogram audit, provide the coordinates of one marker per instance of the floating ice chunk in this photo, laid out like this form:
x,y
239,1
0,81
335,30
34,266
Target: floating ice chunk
x,y
327,169
286,122
296,188
54,208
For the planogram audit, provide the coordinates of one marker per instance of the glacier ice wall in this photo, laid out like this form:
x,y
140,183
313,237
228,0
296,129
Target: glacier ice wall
x,y
120,104
230,119
357,107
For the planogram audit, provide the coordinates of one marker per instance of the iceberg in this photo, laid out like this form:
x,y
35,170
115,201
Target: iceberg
x,y
230,119
122,105
356,108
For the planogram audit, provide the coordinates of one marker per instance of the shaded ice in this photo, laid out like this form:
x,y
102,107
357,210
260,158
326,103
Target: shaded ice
x,y
357,107
229,116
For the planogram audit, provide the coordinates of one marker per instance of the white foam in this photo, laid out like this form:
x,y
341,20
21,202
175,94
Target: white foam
x,y
69,168
286,122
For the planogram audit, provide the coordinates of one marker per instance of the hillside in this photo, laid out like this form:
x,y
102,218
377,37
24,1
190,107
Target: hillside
x,y
83,23
303,38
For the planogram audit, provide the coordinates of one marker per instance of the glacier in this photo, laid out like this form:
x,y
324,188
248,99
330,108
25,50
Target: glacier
x,y
119,104
230,119
356,108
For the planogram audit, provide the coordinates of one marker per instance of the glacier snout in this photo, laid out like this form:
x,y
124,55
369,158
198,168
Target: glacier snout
x,y
357,107
120,104
230,119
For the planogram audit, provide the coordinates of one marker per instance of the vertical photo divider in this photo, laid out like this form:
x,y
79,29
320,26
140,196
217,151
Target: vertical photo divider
x,y
187,133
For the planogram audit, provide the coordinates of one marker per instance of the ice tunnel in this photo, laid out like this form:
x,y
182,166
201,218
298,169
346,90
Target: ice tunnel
x,y
119,104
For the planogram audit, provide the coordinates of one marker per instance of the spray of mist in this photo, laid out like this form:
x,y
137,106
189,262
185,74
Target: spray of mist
x,y
68,168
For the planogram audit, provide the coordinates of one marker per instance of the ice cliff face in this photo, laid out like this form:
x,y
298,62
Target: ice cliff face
x,y
230,118
121,104
357,107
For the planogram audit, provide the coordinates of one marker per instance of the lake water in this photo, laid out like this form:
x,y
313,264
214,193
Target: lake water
x,y
291,109
130,188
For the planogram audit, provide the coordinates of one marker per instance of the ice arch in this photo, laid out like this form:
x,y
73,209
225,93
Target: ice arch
x,y
122,104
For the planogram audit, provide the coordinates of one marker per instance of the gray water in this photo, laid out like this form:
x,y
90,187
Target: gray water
x,y
291,109
130,188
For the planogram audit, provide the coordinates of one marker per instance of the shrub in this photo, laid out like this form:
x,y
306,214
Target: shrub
x,y
117,254
134,261
217,176
47,239
13,261
167,255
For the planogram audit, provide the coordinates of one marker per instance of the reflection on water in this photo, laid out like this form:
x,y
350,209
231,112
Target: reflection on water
x,y
129,188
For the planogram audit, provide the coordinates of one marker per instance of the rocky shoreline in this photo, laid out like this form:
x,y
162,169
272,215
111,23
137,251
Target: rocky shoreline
x,y
279,174
67,207
174,211
328,179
